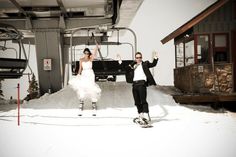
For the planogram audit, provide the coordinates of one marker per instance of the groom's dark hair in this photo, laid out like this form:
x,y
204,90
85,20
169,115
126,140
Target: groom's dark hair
x,y
138,53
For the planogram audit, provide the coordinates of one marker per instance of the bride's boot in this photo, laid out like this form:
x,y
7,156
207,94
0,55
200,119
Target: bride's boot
x,y
81,107
94,107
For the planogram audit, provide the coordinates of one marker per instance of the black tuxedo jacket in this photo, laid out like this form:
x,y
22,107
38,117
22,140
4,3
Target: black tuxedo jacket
x,y
146,65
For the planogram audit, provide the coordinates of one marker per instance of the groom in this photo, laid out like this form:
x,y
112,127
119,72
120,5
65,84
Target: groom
x,y
139,74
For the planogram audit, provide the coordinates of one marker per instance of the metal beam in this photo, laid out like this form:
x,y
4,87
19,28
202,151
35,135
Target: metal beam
x,y
28,20
116,12
18,6
70,23
73,24
62,7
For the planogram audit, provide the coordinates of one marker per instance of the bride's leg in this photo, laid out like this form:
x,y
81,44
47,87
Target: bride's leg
x,y
94,106
81,107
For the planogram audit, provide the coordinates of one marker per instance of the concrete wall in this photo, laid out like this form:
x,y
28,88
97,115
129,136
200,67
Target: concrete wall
x,y
48,46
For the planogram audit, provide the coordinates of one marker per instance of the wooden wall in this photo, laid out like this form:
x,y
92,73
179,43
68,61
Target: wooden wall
x,y
221,20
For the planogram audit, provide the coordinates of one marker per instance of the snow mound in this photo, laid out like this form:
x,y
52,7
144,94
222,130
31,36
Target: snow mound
x,y
65,98
114,95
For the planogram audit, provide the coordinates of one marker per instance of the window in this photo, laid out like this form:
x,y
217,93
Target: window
x,y
202,49
220,41
180,55
220,47
189,52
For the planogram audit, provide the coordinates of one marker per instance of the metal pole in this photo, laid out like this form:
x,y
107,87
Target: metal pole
x,y
135,37
70,61
132,47
18,104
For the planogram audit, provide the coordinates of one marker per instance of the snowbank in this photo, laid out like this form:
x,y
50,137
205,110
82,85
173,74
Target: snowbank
x,y
114,95
50,127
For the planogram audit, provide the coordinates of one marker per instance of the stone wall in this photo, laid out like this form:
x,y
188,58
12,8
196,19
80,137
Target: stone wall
x,y
223,79
201,78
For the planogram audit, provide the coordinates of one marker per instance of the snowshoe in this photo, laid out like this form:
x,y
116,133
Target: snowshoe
x,y
142,122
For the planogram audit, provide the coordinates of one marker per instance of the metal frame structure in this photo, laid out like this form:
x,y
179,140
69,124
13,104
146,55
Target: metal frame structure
x,y
104,73
12,67
134,49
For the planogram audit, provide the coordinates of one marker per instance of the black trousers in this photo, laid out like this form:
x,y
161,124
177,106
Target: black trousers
x,y
140,96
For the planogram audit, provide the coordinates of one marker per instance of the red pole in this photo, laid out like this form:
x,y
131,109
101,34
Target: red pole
x,y
18,103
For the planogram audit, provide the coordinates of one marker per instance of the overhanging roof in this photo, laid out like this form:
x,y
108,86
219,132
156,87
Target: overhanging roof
x,y
195,20
67,15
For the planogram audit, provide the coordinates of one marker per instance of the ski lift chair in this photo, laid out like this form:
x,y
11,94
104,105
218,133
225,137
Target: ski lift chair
x,y
113,69
11,67
104,69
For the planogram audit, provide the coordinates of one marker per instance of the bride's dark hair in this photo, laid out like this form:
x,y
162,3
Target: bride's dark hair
x,y
87,51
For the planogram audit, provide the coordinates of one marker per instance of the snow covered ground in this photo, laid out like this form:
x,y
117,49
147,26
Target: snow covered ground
x,y
50,127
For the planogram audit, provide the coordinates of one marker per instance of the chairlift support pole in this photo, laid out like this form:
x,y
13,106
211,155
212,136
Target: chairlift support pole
x,y
100,54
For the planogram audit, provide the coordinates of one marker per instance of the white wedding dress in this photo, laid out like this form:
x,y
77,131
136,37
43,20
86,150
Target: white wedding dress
x,y
85,85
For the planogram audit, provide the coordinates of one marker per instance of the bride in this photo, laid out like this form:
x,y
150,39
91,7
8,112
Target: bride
x,y
84,83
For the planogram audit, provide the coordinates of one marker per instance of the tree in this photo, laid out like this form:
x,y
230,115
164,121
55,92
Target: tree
x,y
33,89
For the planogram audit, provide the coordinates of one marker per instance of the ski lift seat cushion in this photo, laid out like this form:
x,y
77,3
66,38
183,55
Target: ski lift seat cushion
x,y
112,67
9,63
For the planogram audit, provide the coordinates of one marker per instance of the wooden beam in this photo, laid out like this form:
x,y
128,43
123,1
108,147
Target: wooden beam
x,y
207,98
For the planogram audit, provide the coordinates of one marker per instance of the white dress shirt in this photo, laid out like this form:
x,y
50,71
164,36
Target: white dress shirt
x,y
139,73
